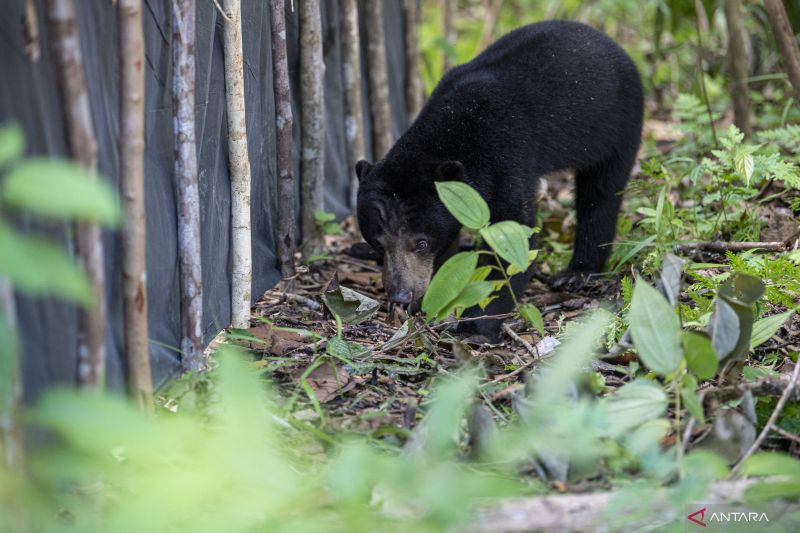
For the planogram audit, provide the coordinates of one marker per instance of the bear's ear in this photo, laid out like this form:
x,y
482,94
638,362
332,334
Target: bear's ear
x,y
362,169
450,171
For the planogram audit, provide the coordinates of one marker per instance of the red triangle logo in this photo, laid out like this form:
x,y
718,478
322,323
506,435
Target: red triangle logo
x,y
702,513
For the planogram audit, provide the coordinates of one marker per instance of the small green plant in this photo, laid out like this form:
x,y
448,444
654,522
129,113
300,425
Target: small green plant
x,y
462,281
326,222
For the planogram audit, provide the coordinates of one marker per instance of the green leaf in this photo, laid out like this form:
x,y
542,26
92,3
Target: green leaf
x,y
772,464
767,327
61,189
700,355
634,404
39,267
464,203
723,327
532,314
690,399
12,143
510,240
448,282
744,164
732,322
474,293
656,330
481,273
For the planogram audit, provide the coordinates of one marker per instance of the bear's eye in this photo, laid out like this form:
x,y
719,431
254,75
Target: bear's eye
x,y
422,246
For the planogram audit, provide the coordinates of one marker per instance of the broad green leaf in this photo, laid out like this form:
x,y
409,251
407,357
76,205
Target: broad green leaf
x,y
772,464
690,399
39,267
464,203
12,143
723,327
670,282
700,355
655,329
634,404
532,314
767,327
744,163
448,282
510,240
474,293
742,288
61,189
733,310
481,273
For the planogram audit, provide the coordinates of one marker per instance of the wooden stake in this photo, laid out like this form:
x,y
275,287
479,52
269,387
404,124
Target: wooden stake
x,y
378,80
239,163
68,58
353,113
186,185
134,243
312,125
283,126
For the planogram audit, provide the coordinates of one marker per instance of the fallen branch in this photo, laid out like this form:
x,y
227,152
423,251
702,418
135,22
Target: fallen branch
x,y
787,392
531,349
761,387
588,512
724,246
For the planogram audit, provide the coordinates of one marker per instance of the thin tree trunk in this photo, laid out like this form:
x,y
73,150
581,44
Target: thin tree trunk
x,y
378,80
188,194
31,31
239,162
283,126
11,443
737,62
83,147
787,42
413,80
131,150
353,113
448,9
312,125
489,22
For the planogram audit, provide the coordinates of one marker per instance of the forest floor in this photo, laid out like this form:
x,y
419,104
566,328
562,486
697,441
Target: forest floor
x,y
375,376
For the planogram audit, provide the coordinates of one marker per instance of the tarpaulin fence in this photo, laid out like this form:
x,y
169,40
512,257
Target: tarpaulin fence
x,y
29,95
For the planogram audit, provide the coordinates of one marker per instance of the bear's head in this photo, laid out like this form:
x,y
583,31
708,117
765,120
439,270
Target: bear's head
x,y
402,218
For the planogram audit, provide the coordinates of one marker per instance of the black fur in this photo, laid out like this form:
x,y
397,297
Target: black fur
x,y
545,97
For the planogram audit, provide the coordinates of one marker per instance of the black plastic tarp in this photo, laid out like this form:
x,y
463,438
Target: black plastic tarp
x,y
29,96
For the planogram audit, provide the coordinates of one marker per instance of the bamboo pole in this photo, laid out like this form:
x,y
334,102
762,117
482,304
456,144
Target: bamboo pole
x,y
283,126
134,251
186,183
65,42
239,161
351,74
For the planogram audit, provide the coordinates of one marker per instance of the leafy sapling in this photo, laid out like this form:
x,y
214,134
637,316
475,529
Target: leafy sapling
x,y
463,281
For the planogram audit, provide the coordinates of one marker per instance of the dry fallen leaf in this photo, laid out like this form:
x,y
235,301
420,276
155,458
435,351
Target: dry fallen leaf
x,y
328,381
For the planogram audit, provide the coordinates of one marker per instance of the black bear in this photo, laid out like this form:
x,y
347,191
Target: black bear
x,y
546,97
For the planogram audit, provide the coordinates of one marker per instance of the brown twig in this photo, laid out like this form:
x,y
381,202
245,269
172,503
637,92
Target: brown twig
x,y
531,349
787,392
724,246
785,434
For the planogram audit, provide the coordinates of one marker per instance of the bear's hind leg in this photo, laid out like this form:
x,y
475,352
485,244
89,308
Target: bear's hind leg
x,y
598,196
